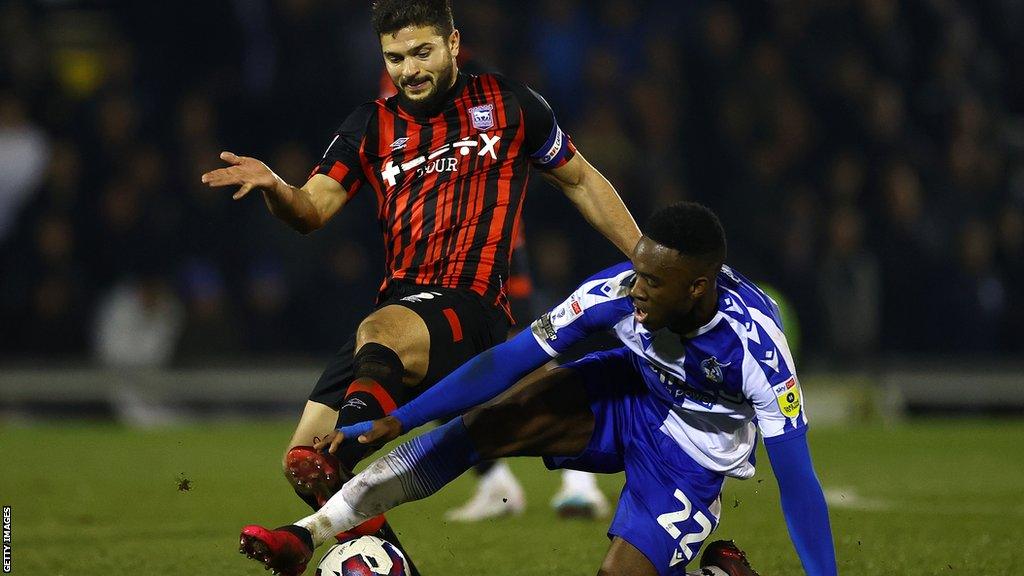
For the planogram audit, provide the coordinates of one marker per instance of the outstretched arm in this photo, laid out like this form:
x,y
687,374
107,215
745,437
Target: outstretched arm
x,y
304,209
803,504
475,382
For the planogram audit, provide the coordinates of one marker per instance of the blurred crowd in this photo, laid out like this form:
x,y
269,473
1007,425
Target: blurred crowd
x,y
865,156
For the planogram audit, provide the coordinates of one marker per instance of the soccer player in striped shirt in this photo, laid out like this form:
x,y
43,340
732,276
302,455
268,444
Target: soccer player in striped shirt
x,y
704,370
447,160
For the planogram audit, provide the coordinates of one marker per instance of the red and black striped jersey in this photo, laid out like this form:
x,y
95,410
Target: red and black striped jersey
x,y
450,187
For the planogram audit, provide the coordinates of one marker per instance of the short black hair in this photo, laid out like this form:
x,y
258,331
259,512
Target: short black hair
x,y
690,228
393,15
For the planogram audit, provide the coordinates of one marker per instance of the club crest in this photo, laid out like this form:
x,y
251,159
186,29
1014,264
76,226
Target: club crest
x,y
713,369
482,117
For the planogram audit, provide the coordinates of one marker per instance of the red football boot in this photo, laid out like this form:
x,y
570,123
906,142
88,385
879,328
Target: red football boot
x,y
320,475
281,550
315,474
726,555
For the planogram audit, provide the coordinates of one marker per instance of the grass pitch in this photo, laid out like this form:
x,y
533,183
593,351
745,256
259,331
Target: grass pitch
x,y
926,498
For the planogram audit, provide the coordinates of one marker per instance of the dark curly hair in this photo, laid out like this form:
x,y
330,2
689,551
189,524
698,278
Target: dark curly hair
x,y
390,16
690,228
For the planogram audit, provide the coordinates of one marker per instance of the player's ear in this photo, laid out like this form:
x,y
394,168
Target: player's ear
x,y
453,42
699,287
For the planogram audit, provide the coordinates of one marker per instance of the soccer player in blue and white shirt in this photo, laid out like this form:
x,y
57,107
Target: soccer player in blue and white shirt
x,y
704,367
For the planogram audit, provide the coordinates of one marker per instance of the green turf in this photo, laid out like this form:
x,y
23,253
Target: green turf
x,y
925,498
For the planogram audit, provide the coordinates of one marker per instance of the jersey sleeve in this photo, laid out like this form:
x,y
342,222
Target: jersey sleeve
x,y
770,381
548,146
597,305
341,159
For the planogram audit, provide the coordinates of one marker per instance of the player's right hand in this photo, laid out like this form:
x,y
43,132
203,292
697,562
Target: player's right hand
x,y
243,171
380,431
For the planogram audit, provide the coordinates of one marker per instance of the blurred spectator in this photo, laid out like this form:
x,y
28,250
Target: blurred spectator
x,y
343,281
978,290
267,319
22,52
560,40
121,235
850,290
846,179
910,241
138,324
24,149
608,144
210,331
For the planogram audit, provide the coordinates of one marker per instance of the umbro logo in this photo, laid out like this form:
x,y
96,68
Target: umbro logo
x,y
399,143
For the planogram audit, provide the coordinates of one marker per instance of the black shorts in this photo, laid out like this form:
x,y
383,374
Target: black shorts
x,y
460,323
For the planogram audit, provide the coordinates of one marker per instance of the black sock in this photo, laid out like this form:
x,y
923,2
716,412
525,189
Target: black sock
x,y
375,391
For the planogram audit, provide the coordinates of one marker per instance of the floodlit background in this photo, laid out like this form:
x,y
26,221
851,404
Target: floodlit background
x,y
866,158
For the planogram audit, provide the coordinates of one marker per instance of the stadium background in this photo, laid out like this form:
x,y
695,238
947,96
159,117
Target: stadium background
x,y
865,156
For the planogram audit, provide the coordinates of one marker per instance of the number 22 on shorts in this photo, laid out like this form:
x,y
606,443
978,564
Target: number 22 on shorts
x,y
669,520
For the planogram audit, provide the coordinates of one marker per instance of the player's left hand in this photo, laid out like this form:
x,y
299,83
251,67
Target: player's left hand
x,y
377,432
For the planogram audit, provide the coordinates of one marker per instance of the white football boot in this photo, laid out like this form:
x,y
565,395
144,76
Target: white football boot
x,y
580,497
498,493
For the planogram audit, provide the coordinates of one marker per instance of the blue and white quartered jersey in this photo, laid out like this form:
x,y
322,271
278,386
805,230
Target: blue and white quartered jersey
x,y
708,388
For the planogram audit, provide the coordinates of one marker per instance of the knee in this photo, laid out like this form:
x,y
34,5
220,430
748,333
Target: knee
x,y
396,327
373,329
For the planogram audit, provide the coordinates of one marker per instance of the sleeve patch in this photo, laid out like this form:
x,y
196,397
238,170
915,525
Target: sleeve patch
x,y
565,313
788,395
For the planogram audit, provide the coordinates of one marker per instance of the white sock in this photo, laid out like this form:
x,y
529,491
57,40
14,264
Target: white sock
x,y
411,471
371,492
335,516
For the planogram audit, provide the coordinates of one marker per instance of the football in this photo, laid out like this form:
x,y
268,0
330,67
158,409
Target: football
x,y
363,556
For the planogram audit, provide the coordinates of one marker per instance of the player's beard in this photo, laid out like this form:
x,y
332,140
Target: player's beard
x,y
431,104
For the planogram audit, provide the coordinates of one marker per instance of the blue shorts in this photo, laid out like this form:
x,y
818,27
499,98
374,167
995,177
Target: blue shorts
x,y
670,504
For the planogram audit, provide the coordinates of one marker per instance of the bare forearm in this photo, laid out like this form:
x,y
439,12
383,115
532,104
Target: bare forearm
x,y
293,206
596,198
304,209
